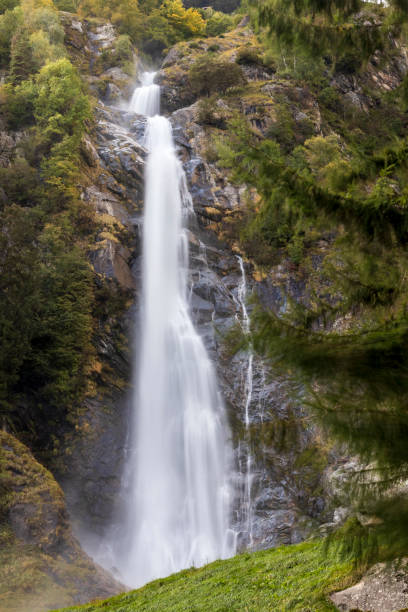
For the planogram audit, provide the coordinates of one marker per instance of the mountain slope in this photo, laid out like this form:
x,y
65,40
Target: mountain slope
x,y
288,578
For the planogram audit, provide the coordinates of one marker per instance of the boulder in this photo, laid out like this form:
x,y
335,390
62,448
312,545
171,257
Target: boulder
x,y
41,563
384,588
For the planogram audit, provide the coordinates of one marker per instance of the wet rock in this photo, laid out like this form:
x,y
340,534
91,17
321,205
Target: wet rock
x,y
93,482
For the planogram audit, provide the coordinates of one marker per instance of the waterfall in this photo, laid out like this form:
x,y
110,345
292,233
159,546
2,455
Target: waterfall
x,y
246,504
178,507
146,98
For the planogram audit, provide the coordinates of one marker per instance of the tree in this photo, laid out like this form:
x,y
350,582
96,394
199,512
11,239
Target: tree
x,y
345,343
186,23
21,62
208,76
19,292
331,27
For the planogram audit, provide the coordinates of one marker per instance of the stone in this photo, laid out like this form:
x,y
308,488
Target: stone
x,y
89,153
111,261
384,588
51,562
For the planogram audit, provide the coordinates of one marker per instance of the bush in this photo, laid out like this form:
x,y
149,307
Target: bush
x,y
20,181
350,63
211,113
18,103
209,76
248,55
124,48
217,23
7,5
47,20
61,106
10,21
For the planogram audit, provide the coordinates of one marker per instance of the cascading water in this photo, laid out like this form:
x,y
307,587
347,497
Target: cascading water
x,y
179,465
246,503
146,98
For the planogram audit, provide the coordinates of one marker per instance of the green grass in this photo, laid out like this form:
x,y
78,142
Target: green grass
x,y
298,577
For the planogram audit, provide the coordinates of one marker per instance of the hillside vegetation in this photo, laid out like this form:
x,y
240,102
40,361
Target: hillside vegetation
x,y
283,579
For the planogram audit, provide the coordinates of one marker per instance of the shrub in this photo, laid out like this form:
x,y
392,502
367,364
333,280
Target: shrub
x,y
42,50
20,182
350,63
248,55
7,5
208,76
124,48
21,60
217,23
61,106
18,103
46,19
10,21
211,113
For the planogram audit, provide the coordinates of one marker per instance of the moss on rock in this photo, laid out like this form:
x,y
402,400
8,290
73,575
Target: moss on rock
x,y
41,563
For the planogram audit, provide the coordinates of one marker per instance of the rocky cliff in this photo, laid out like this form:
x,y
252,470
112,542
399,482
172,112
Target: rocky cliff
x,y
296,476
290,461
42,564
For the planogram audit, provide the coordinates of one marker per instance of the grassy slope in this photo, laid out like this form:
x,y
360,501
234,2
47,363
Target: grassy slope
x,y
288,578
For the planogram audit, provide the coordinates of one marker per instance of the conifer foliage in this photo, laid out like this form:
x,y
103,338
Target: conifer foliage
x,y
345,343
333,27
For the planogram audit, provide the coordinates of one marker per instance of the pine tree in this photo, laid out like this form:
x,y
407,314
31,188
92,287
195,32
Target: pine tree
x,y
331,27
346,343
21,62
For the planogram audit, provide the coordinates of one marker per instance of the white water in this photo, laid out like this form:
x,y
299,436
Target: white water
x,y
179,465
146,98
246,504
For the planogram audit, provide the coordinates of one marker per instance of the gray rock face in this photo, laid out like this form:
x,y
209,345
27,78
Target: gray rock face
x,y
93,484
383,589
284,501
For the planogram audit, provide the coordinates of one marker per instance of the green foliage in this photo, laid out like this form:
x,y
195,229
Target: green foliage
x,y
209,76
225,6
10,22
8,5
47,340
17,323
60,105
61,110
210,113
248,55
55,366
123,48
20,182
18,103
152,26
346,30
290,578
217,23
21,62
